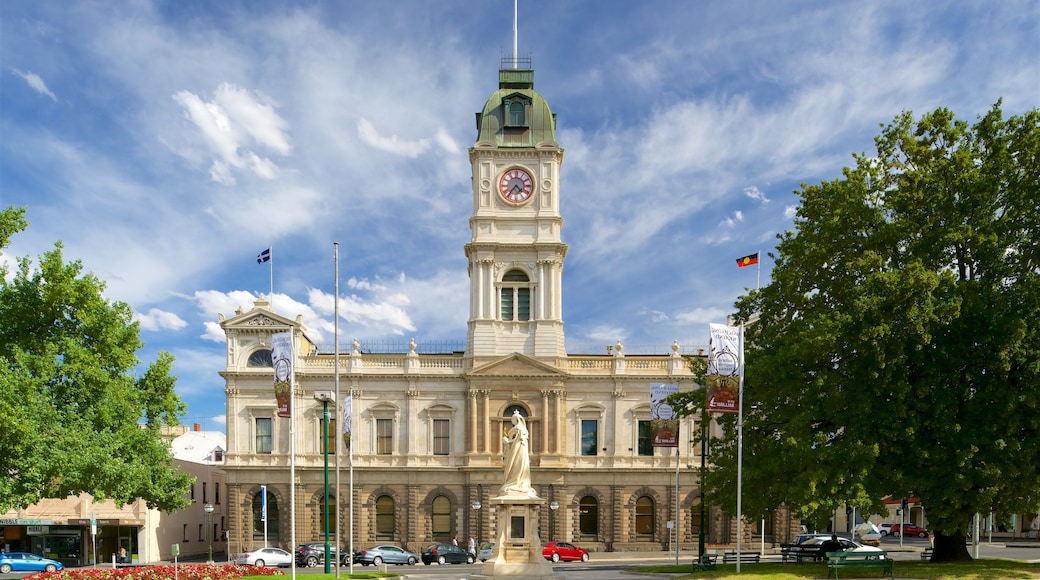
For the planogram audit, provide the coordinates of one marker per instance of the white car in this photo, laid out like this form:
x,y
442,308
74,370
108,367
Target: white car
x,y
486,552
265,557
885,528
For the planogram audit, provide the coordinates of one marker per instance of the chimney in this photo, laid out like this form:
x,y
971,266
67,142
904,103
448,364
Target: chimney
x,y
197,427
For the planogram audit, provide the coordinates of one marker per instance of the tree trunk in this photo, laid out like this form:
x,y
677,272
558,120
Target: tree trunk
x,y
950,548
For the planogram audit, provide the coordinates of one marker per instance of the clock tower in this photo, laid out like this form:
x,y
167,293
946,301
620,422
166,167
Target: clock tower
x,y
515,251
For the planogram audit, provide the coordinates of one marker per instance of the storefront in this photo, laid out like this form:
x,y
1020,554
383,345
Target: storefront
x,y
110,535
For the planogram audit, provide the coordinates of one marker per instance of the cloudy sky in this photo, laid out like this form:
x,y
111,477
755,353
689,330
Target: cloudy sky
x,y
167,143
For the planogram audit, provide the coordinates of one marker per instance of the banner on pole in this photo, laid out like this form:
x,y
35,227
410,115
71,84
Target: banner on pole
x,y
348,403
723,376
281,358
664,425
263,503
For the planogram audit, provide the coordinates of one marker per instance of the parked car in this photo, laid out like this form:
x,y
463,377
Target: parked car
x,y
803,537
27,562
813,547
909,530
557,551
265,557
310,555
486,552
446,554
885,528
385,553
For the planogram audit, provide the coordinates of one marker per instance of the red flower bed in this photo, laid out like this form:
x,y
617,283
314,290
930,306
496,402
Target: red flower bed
x,y
184,572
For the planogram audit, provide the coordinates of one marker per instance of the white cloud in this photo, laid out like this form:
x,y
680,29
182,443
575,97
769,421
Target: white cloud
x,y
702,316
156,319
369,134
755,193
790,212
36,83
233,124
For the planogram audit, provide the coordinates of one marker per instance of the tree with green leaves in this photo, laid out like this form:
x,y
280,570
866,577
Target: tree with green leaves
x,y
896,351
74,416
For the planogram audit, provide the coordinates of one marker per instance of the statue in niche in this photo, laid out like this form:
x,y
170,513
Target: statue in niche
x,y
517,463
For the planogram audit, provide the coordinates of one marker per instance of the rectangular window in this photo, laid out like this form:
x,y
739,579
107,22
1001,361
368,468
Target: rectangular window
x,y
184,532
589,436
645,438
384,436
507,303
216,492
205,497
202,530
263,434
523,304
441,440
193,491
330,436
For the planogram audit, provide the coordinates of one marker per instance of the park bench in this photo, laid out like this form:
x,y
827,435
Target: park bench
x,y
705,562
744,558
927,553
845,560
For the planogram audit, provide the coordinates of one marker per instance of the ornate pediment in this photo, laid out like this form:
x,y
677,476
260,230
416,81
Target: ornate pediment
x,y
517,365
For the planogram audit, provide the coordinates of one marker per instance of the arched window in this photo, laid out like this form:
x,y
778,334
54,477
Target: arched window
x,y
515,296
260,358
695,518
588,516
332,515
272,517
516,114
645,516
441,517
384,518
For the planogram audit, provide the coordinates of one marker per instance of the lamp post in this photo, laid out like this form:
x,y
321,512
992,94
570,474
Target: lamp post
x,y
476,505
553,506
325,397
208,508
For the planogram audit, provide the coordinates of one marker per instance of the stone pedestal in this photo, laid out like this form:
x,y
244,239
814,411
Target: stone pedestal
x,y
518,549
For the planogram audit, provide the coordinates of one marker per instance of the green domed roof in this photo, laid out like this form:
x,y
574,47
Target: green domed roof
x,y
515,115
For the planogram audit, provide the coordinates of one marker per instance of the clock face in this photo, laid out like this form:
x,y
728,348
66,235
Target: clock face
x,y
516,185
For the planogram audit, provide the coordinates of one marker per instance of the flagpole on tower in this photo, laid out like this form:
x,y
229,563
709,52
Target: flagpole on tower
x,y
339,541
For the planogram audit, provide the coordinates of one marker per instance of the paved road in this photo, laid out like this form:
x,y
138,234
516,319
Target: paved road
x,y
612,565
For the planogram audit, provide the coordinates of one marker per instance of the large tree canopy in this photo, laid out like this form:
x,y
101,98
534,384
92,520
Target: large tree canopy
x,y
74,418
896,350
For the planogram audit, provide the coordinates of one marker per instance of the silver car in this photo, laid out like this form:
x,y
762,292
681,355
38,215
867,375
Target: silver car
x,y
385,553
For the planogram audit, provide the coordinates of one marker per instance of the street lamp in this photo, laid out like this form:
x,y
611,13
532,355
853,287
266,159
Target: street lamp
x,y
553,506
325,397
476,505
208,508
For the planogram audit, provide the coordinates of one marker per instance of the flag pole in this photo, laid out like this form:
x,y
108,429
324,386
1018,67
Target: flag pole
x,y
270,296
339,538
292,442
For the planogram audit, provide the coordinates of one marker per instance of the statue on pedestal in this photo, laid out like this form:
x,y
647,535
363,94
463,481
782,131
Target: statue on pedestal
x,y
517,461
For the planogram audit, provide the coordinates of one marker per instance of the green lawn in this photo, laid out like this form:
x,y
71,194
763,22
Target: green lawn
x,y
976,570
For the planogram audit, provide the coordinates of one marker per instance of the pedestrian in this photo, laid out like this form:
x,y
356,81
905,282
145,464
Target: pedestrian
x,y
473,546
122,554
455,540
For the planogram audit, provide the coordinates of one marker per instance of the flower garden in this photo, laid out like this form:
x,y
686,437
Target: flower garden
x,y
163,572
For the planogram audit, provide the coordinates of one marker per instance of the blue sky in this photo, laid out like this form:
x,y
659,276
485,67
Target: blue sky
x,y
166,144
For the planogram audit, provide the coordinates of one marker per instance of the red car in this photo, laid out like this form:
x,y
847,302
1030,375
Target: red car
x,y
908,529
557,551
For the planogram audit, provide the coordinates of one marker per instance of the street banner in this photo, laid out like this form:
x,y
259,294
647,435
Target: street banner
x,y
281,357
348,403
664,425
723,376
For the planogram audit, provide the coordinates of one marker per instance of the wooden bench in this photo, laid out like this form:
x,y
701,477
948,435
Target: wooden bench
x,y
927,553
846,560
705,562
744,558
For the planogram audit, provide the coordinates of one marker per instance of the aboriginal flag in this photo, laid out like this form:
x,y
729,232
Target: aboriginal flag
x,y
748,260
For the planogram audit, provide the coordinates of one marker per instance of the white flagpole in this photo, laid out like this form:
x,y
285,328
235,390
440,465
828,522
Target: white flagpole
x,y
515,55
292,444
335,366
270,297
740,445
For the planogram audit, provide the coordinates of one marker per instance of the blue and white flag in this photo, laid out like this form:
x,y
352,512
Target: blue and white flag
x,y
265,256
